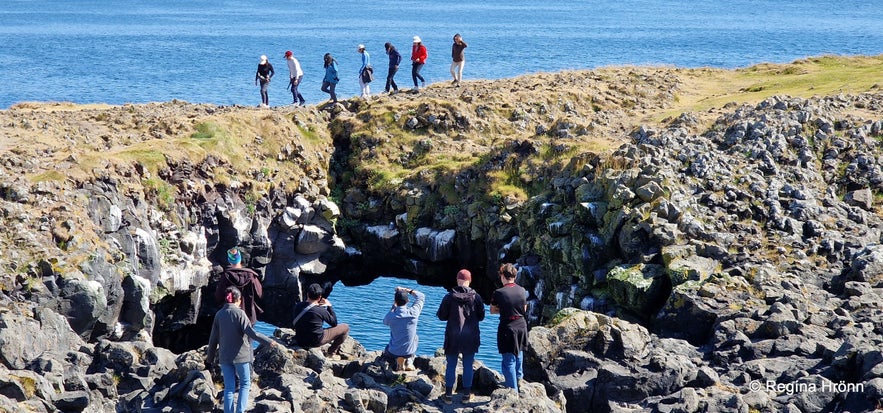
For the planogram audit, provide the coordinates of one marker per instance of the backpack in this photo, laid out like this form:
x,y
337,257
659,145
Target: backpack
x,y
367,74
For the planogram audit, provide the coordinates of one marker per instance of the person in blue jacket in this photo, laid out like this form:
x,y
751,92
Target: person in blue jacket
x,y
364,82
329,82
395,58
402,321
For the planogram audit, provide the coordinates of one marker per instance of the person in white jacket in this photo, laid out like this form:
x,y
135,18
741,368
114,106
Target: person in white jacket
x,y
295,75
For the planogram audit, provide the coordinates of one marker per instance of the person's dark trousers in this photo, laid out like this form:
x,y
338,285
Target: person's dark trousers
x,y
415,73
390,79
295,95
328,88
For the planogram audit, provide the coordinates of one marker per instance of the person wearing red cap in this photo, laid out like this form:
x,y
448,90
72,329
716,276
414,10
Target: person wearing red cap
x,y
462,309
295,75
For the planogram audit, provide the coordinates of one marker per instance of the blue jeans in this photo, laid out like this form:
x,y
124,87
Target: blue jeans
x,y
231,372
512,371
451,370
328,88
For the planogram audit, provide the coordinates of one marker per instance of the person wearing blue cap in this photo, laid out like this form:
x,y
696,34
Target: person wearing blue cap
x,y
246,280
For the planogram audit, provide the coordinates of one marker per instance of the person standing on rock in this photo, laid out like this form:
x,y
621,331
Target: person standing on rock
x,y
395,58
462,309
458,59
402,321
309,320
418,59
229,339
329,82
263,75
295,75
510,302
246,280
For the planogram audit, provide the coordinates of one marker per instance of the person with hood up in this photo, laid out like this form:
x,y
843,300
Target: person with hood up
x,y
246,280
395,58
462,309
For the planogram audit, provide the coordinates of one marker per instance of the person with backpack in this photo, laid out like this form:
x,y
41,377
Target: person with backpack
x,y
246,280
402,321
230,340
366,72
310,317
462,309
418,59
395,58
329,82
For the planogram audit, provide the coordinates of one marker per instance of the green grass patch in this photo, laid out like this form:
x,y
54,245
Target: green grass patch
x,y
162,191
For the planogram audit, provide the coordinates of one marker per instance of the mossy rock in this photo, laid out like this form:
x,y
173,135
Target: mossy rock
x,y
638,288
693,268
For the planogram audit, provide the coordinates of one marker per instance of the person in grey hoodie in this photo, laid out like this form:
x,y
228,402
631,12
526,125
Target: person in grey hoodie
x,y
402,321
462,308
229,339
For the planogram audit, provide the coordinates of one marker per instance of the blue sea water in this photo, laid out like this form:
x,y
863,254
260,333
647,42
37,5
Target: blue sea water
x,y
363,308
206,51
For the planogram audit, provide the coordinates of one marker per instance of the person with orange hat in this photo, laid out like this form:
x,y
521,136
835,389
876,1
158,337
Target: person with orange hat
x,y
295,75
462,309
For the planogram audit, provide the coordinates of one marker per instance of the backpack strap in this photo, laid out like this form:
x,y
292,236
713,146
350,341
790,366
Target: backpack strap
x,y
304,311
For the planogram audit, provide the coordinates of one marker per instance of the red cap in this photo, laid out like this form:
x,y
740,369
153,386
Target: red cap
x,y
288,53
464,275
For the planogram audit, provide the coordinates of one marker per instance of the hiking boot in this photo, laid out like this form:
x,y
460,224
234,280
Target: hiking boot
x,y
400,363
467,398
447,399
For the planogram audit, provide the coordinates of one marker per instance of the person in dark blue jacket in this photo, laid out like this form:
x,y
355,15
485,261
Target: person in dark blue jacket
x,y
462,309
329,82
395,58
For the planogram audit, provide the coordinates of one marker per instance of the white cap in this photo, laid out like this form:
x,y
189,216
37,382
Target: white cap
x,y
361,46
416,39
263,58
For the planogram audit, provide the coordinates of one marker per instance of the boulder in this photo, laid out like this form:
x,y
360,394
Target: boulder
x,y
640,288
691,268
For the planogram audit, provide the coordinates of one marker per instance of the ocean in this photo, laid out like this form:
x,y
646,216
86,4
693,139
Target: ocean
x,y
206,51
363,308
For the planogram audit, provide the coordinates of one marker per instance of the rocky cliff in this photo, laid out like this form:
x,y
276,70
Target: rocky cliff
x,y
713,230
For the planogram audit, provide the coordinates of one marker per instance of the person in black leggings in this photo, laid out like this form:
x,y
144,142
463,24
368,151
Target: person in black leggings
x,y
263,75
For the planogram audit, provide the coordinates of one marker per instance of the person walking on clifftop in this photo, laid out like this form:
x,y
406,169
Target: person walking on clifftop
x,y
229,339
418,59
510,302
462,309
366,72
458,59
329,82
263,75
295,75
395,59
246,280
402,321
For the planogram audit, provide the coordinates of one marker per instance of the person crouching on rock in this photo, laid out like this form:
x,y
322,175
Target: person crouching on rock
x,y
229,339
246,280
462,309
310,317
402,321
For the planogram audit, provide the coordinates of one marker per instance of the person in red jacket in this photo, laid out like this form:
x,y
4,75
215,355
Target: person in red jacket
x,y
418,59
246,280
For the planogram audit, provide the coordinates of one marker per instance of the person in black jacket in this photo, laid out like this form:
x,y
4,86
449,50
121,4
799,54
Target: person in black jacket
x,y
263,75
246,280
310,317
395,58
462,308
510,302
